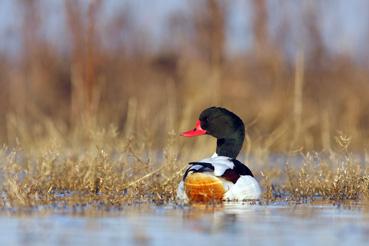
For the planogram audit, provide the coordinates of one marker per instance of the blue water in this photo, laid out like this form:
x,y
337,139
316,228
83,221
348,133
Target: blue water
x,y
233,224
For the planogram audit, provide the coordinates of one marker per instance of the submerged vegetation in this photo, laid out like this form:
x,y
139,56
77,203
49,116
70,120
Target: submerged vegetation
x,y
93,118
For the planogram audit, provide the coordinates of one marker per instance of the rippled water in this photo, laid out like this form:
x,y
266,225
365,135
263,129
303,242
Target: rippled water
x,y
234,224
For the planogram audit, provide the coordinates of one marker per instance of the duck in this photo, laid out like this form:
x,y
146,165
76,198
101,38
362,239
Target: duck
x,y
220,177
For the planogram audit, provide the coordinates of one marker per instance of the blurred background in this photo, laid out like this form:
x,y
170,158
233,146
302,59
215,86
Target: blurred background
x,y
296,71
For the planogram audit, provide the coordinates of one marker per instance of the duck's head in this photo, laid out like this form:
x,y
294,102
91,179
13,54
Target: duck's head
x,y
222,124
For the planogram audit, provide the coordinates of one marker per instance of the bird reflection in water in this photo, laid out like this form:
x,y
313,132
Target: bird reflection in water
x,y
214,218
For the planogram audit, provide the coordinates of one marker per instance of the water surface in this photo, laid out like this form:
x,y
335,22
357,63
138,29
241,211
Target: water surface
x,y
231,224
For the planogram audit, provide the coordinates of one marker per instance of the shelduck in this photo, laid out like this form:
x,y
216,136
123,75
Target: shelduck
x,y
222,176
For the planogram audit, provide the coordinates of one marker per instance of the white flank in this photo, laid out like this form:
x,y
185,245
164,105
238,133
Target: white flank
x,y
245,188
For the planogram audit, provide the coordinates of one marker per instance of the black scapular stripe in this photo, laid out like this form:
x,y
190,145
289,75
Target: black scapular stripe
x,y
240,168
206,167
233,174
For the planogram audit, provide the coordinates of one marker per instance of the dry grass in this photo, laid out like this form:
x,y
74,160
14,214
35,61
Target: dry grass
x,y
102,169
109,171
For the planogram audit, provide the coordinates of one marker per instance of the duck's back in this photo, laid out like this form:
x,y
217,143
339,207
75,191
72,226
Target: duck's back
x,y
218,178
